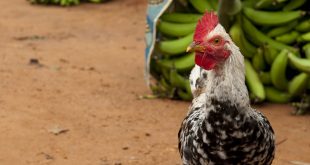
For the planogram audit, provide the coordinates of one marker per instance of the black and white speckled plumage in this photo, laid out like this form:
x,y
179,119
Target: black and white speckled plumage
x,y
226,136
221,128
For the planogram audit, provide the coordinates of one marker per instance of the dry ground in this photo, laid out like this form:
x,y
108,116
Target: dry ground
x,y
86,85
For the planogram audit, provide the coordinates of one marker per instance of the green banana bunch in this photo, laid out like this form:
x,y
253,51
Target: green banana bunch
x,y
273,36
260,38
283,29
278,69
252,79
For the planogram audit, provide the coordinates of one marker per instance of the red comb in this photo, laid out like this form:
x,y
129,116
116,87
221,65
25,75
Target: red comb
x,y
207,23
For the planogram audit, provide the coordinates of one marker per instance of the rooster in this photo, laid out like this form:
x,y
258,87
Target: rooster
x,y
221,128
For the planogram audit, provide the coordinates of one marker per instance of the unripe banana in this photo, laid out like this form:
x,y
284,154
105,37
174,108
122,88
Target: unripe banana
x,y
304,37
259,38
288,38
276,96
265,77
181,17
298,84
183,63
282,29
255,85
248,47
177,80
303,26
176,29
278,69
272,18
201,5
263,4
258,61
236,33
293,4
173,47
270,54
301,64
306,49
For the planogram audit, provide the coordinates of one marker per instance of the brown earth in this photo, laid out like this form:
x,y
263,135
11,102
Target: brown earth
x,y
86,88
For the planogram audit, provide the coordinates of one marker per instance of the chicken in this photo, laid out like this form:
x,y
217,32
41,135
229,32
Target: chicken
x,y
221,128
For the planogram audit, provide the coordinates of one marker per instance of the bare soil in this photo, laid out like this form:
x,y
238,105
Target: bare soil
x,y
70,81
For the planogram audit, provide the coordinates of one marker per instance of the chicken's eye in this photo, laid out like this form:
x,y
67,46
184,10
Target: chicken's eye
x,y
216,41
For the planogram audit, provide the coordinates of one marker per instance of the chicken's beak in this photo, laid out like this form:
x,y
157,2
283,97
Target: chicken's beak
x,y
194,47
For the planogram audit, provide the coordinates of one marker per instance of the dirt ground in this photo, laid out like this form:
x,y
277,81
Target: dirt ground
x,y
77,101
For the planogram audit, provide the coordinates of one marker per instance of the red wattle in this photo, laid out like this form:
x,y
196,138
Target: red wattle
x,y
205,61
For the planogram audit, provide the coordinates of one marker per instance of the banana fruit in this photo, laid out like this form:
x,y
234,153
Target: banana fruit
x,y
181,17
303,26
276,96
260,38
279,30
258,60
183,63
246,48
277,71
176,29
179,81
298,84
301,64
252,79
288,38
174,47
306,49
292,5
270,54
304,37
201,5
272,18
